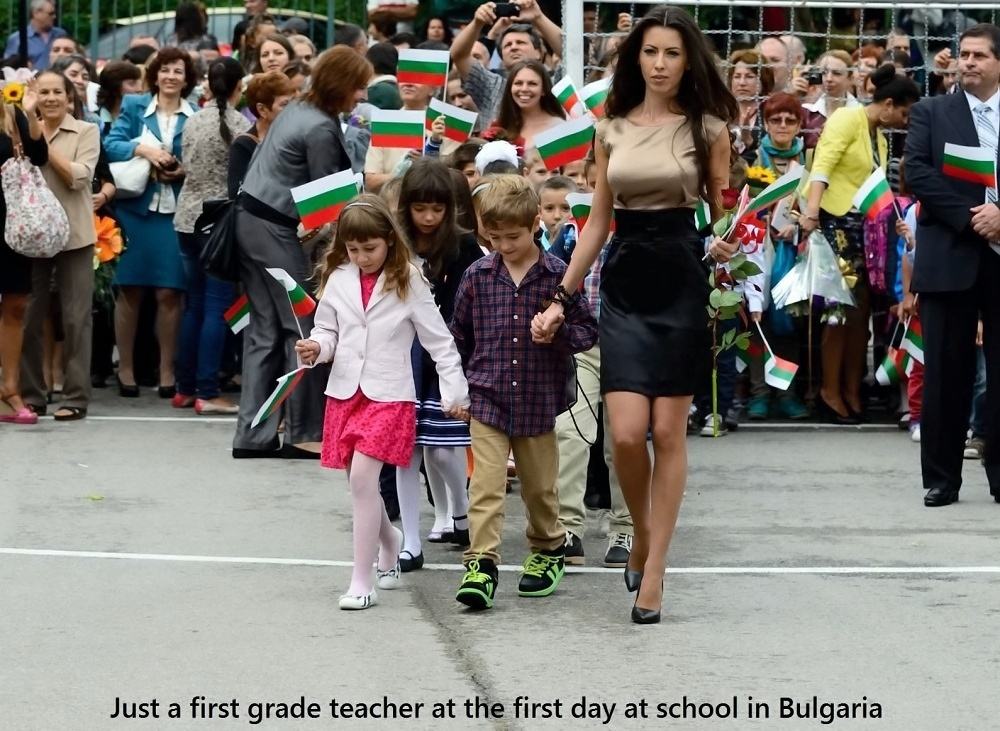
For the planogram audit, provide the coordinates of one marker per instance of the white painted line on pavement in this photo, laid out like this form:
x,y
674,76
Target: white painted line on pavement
x,y
166,419
731,570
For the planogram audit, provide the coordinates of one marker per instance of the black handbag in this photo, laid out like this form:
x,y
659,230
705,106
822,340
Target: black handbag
x,y
216,226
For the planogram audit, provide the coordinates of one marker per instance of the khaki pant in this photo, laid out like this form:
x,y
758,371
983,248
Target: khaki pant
x,y
537,467
74,278
576,430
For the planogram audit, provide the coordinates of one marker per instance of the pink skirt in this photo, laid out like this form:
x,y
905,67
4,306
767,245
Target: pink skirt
x,y
385,431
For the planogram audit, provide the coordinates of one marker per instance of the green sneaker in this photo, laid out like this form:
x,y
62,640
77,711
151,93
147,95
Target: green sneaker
x,y
541,574
791,408
479,585
759,408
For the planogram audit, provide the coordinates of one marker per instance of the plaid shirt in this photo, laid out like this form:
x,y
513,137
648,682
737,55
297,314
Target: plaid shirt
x,y
516,385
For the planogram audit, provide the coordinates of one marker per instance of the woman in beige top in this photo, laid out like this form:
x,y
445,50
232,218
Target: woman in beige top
x,y
664,145
74,147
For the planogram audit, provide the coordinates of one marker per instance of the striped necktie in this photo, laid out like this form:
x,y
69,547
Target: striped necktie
x,y
988,139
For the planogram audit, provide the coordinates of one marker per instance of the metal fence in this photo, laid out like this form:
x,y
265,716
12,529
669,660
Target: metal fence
x,y
820,24
106,26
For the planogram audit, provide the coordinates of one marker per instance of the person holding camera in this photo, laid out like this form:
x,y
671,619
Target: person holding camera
x,y
150,127
521,32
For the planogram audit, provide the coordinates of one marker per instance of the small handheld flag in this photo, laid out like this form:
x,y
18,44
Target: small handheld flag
x,y
238,314
874,195
892,368
422,67
302,303
568,97
402,129
913,339
286,384
780,188
565,142
972,164
320,201
458,122
778,372
702,215
595,94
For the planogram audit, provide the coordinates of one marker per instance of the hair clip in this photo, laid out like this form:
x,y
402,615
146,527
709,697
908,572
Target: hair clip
x,y
480,188
358,204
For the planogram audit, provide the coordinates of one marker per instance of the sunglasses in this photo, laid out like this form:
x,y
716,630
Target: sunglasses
x,y
784,121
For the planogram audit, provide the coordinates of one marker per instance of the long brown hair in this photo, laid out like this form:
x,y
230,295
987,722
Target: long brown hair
x,y
702,90
429,181
366,218
510,114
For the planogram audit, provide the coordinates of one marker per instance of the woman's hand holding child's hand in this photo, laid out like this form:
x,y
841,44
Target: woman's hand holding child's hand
x,y
307,350
459,412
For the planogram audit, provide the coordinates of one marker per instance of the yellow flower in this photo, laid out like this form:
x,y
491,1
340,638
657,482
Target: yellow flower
x,y
761,174
13,92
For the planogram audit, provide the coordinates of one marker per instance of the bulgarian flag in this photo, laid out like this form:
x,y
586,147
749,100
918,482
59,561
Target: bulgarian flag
x,y
565,92
286,384
302,303
874,195
913,340
778,372
566,142
972,164
702,215
595,94
780,188
579,207
422,67
401,129
238,314
320,201
458,122
896,363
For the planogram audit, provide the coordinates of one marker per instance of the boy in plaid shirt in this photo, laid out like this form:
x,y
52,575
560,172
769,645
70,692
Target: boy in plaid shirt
x,y
517,389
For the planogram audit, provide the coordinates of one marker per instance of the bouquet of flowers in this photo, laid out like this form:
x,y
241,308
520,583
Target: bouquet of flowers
x,y
107,250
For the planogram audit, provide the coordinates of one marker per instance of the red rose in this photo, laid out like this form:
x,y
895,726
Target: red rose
x,y
730,197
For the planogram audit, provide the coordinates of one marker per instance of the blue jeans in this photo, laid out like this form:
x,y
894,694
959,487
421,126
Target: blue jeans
x,y
978,418
203,327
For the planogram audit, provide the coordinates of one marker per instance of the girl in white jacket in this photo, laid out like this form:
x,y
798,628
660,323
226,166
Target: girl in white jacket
x,y
374,301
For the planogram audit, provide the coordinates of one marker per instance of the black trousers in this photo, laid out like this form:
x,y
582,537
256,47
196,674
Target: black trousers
x,y
949,322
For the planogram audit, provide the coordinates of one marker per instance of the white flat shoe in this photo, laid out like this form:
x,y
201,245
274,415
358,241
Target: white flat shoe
x,y
389,580
349,601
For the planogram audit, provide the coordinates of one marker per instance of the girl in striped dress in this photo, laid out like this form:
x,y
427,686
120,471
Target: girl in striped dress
x,y
427,214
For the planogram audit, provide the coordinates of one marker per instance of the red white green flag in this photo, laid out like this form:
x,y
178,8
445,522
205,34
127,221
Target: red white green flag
x,y
286,384
422,67
778,372
579,207
458,122
702,215
972,164
744,357
595,94
320,201
302,303
398,129
896,363
874,195
566,142
238,314
568,97
913,340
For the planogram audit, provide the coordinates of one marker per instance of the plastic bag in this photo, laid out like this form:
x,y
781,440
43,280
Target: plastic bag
x,y
817,274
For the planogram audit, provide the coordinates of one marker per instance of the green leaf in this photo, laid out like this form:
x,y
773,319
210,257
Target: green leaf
x,y
715,298
738,275
743,341
711,311
737,261
749,268
731,298
727,338
711,279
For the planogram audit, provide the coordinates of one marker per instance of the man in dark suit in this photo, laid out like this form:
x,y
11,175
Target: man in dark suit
x,y
956,272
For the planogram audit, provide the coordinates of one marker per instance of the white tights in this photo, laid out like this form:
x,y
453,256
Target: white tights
x,y
372,529
446,476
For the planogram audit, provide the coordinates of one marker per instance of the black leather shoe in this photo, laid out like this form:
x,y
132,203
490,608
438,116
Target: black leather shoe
x,y
408,562
633,579
166,391
938,497
830,416
241,453
290,451
646,616
127,391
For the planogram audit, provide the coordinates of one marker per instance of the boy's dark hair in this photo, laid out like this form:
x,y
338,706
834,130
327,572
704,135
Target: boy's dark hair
x,y
383,58
138,54
557,182
510,200
465,153
432,46
409,39
500,167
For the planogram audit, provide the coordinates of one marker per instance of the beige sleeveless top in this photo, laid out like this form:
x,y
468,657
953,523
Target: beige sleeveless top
x,y
652,168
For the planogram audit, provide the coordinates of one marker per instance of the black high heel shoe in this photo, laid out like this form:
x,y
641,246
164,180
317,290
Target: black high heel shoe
x,y
127,391
646,616
633,579
830,416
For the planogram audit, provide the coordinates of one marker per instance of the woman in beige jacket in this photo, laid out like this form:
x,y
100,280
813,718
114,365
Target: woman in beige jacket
x,y
74,147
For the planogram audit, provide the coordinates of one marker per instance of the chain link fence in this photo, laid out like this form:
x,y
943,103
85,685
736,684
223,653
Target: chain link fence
x,y
106,26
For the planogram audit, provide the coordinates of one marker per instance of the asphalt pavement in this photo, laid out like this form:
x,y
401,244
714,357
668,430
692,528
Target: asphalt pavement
x,y
139,562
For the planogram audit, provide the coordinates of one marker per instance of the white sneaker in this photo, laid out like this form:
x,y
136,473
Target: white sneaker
x,y
915,433
349,601
709,429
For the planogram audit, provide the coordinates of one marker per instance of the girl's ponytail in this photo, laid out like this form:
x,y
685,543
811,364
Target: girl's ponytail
x,y
224,77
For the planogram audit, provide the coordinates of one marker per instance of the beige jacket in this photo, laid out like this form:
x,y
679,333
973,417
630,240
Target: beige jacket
x,y
80,143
